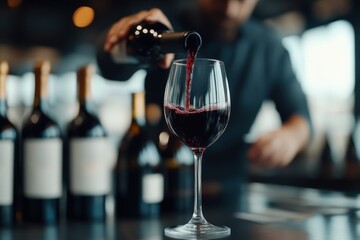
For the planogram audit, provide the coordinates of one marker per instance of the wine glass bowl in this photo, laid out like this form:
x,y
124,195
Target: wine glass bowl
x,y
197,111
197,128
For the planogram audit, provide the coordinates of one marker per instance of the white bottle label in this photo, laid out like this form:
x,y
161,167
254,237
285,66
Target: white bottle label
x,y
43,168
6,172
90,166
153,188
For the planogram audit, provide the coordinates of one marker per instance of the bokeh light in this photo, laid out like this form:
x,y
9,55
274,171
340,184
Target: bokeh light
x,y
83,16
14,3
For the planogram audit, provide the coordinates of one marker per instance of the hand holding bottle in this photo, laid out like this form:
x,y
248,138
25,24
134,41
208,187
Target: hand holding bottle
x,y
121,28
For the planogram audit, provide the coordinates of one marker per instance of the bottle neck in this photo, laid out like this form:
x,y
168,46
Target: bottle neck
x,y
138,108
174,42
40,91
84,94
84,105
3,107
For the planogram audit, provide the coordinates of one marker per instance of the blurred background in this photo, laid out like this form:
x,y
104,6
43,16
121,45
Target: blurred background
x,y
322,37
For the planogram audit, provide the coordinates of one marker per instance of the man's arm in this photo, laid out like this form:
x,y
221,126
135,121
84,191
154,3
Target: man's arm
x,y
278,148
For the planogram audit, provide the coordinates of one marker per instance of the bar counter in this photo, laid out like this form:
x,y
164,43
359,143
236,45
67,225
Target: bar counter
x,y
264,212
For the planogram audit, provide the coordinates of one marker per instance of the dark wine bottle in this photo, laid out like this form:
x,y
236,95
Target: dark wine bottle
x,y
42,157
139,177
146,44
352,160
151,41
88,166
327,169
8,150
179,174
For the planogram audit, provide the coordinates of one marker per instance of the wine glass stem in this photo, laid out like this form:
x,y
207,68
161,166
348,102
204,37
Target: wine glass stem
x,y
197,216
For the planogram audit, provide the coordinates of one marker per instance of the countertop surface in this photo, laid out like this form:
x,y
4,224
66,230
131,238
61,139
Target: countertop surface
x,y
265,212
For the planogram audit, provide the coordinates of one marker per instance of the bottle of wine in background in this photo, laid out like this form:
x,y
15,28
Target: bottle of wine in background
x,y
139,178
42,157
146,44
352,160
327,169
179,174
88,167
8,155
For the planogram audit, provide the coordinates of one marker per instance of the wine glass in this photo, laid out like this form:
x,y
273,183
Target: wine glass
x,y
197,111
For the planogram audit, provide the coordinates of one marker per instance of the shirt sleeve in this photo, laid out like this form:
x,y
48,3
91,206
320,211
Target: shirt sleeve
x,y
286,91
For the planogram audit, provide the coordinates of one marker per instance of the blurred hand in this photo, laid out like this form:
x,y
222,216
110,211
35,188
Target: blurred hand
x,y
120,29
278,148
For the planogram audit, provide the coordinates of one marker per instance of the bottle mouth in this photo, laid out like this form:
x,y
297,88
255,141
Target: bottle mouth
x,y
193,41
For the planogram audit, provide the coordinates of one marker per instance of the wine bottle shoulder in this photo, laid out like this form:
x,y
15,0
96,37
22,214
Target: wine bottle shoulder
x,y
5,123
86,124
139,148
136,133
7,129
40,125
132,137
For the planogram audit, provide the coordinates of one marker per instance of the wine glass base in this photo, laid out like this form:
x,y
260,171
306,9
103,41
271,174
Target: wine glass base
x,y
197,231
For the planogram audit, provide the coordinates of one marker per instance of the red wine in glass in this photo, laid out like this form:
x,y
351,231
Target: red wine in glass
x,y
197,128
